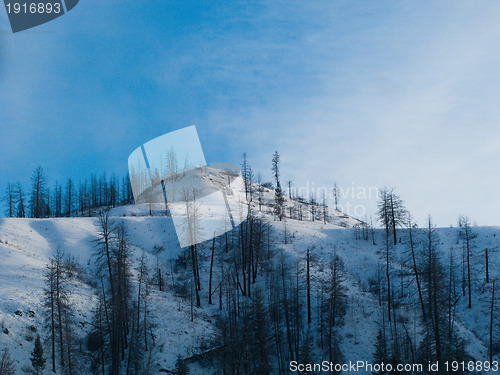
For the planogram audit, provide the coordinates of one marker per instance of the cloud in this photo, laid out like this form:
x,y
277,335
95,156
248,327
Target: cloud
x,y
367,94
418,118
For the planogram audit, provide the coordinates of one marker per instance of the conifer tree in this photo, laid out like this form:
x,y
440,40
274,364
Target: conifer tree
x,y
380,355
37,358
260,331
468,237
306,353
181,367
336,195
279,198
21,210
38,193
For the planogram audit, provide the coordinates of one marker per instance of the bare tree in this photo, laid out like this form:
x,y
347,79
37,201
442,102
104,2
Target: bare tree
x,y
7,366
308,276
468,237
10,199
58,312
172,164
416,272
260,191
492,317
50,305
487,265
70,187
313,202
211,272
324,207
391,212
192,229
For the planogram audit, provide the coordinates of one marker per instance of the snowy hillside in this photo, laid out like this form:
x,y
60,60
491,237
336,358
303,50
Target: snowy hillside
x,y
179,328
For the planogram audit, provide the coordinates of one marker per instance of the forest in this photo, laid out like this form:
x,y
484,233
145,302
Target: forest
x,y
297,282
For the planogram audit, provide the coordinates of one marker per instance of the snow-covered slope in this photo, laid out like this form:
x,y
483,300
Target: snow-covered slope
x,y
27,244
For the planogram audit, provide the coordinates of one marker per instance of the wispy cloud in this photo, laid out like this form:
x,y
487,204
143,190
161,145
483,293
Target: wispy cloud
x,y
371,93
411,105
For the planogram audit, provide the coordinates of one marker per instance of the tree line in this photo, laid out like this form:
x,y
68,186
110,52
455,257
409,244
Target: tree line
x,y
271,306
66,199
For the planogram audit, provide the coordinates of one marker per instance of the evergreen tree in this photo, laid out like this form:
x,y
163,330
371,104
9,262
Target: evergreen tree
x,y
260,331
380,355
305,353
70,192
279,202
37,358
279,198
21,210
336,355
426,350
38,193
181,367
57,201
440,342
244,173
336,195
334,308
468,237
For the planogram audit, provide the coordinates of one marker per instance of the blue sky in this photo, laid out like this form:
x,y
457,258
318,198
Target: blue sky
x,y
363,93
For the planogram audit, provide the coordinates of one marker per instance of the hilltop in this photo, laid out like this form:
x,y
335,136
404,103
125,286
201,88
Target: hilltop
x,y
179,328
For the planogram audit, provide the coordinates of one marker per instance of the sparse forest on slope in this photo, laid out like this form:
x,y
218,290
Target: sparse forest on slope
x,y
296,283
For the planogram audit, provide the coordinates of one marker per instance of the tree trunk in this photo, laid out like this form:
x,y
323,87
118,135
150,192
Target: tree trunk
x,y
415,270
387,274
468,274
59,309
491,321
211,269
487,266
308,290
52,321
195,278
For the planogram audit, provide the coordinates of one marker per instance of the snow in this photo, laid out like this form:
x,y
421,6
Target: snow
x,y
27,244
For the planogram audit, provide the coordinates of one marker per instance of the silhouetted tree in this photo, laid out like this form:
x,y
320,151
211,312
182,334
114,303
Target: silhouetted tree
x,y
336,195
37,358
20,201
468,237
9,199
381,353
38,193
391,212
279,199
70,192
